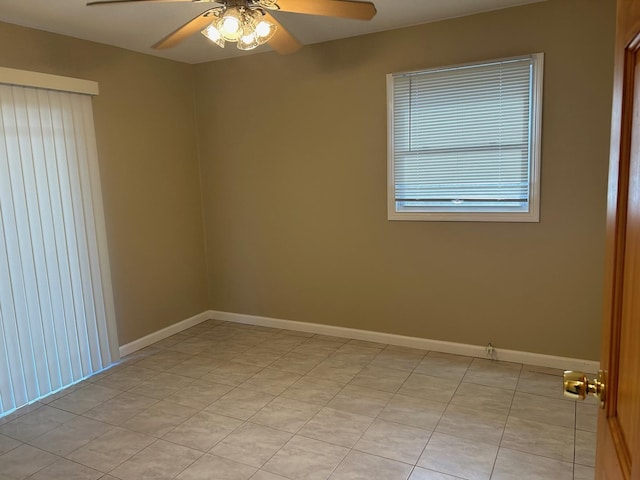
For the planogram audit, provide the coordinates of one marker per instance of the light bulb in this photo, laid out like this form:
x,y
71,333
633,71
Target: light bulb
x,y
248,40
230,24
213,34
265,30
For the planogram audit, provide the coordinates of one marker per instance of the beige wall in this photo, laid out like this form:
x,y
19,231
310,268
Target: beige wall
x,y
293,159
293,154
146,137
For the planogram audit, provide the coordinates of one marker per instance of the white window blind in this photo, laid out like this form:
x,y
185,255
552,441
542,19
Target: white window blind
x,y
464,140
56,310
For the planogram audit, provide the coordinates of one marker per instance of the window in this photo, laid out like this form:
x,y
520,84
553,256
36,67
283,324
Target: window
x,y
464,142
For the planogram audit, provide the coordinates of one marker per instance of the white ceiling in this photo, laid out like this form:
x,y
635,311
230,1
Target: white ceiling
x,y
137,26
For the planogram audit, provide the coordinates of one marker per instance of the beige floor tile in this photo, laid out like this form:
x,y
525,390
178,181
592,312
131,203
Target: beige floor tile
x,y
84,399
70,436
484,398
459,457
271,380
398,360
541,384
286,338
301,363
363,351
162,385
159,418
66,470
413,411
35,423
232,373
306,459
429,388
330,338
366,343
264,475
313,390
394,441
543,409
360,400
222,354
582,472
337,370
317,346
23,461
240,403
297,333
512,464
337,427
111,449
127,378
199,394
493,373
8,443
424,474
212,467
358,465
120,408
444,365
380,378
191,346
202,431
163,360
281,417
31,407
539,439
195,371
547,370
260,358
159,461
472,424
293,404
586,417
585,448
251,444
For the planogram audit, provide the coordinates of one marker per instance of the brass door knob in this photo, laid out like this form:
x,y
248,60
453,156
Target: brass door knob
x,y
577,386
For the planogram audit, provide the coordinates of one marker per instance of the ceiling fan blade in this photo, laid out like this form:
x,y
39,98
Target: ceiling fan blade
x,y
282,42
192,26
111,2
330,8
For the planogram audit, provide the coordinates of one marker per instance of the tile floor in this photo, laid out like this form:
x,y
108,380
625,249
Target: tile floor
x,y
235,402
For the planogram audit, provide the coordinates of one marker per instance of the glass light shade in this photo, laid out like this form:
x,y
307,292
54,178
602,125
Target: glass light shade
x,y
249,40
230,24
265,30
213,34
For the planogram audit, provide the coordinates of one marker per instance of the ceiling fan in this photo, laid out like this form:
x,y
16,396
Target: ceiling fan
x,y
249,22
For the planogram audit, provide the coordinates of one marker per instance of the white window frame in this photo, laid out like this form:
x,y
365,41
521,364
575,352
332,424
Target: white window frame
x,y
455,213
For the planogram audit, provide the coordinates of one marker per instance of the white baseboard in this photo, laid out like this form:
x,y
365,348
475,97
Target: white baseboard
x,y
164,333
528,358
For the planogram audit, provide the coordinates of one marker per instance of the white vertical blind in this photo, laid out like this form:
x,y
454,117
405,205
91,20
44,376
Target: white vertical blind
x,y
56,309
462,137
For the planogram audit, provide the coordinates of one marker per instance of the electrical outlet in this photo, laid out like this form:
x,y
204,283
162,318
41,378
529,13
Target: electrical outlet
x,y
491,351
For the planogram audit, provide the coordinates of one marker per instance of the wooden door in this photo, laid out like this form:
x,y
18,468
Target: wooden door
x,y
618,455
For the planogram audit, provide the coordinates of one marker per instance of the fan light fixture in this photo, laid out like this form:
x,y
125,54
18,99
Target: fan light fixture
x,y
240,24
